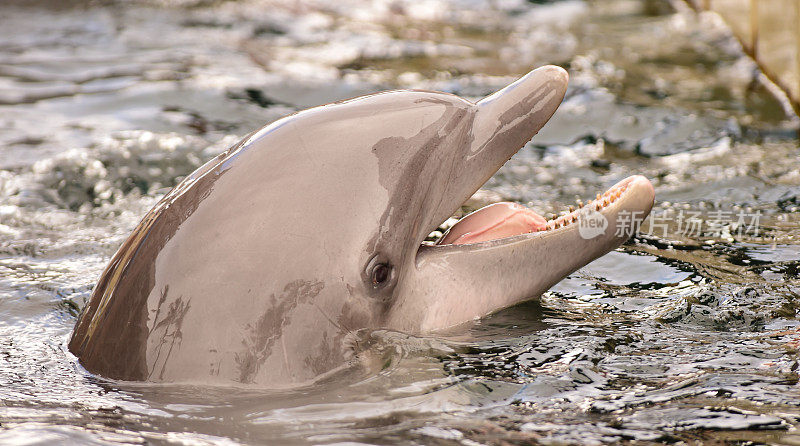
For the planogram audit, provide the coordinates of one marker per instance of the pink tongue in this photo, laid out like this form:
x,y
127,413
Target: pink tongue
x,y
495,221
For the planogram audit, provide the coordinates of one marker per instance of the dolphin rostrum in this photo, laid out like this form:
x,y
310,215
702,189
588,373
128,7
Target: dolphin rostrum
x,y
257,266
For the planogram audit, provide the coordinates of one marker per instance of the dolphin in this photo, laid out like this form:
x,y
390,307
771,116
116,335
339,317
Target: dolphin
x,y
258,267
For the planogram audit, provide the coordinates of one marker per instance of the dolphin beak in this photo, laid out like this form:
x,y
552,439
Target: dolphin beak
x,y
505,254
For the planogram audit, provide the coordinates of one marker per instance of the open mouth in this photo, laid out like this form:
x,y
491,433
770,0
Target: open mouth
x,y
505,219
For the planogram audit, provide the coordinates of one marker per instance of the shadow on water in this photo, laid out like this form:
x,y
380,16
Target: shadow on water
x,y
689,332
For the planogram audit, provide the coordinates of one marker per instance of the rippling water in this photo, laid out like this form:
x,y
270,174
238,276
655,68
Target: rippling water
x,y
680,335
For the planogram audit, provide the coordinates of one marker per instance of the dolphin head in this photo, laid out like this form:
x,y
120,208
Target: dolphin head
x,y
257,267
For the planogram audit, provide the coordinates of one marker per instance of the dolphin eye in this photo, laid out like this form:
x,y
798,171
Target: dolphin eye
x,y
381,274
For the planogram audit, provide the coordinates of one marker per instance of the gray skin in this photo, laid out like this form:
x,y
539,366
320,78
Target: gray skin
x,y
257,267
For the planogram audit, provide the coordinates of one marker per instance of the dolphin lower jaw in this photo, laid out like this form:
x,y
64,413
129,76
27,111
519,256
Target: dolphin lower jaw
x,y
454,284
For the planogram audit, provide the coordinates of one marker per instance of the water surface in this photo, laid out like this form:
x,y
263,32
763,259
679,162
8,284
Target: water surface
x,y
686,333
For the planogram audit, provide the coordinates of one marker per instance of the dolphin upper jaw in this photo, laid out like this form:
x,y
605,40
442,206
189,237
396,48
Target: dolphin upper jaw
x,y
496,127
